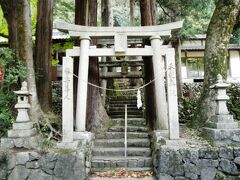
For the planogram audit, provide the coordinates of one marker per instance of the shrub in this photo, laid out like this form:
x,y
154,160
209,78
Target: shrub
x,y
191,94
13,72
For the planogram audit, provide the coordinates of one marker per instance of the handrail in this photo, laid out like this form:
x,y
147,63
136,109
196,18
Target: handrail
x,y
125,137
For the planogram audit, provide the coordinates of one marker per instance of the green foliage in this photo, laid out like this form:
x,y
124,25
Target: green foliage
x,y
196,14
64,10
234,102
191,94
13,71
62,46
3,24
45,145
188,103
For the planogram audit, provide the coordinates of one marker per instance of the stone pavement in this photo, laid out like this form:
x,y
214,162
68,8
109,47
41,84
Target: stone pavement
x,y
100,178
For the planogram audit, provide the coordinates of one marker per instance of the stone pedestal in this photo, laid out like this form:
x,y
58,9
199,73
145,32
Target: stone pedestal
x,y
23,134
221,128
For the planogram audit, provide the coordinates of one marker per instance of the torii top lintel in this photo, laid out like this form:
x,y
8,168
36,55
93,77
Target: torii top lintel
x,y
105,32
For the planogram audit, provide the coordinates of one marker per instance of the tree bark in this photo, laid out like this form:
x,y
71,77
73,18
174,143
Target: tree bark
x,y
9,8
215,55
43,54
95,110
132,12
106,13
25,50
147,19
80,19
177,46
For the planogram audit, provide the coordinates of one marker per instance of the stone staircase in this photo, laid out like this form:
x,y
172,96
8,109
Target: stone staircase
x,y
108,153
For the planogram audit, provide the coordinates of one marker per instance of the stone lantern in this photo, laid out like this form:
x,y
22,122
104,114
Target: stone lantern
x,y
22,105
221,128
23,127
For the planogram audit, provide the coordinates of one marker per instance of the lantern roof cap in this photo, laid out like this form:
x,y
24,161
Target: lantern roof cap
x,y
23,90
220,83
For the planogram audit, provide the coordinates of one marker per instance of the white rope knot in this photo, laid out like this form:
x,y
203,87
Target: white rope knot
x,y
139,99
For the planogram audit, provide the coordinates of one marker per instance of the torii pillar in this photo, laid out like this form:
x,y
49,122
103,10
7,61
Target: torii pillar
x,y
82,85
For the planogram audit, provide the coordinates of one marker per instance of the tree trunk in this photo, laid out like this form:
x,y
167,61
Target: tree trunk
x,y
95,110
80,19
132,12
177,46
215,57
106,13
43,54
9,8
25,50
147,19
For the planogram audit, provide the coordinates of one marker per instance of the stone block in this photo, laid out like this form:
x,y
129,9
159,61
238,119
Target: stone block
x,y
203,163
132,163
140,162
237,160
189,155
7,142
64,165
23,125
208,173
121,163
229,167
39,175
32,165
232,125
21,133
11,161
170,162
148,163
68,145
226,152
208,153
83,136
22,158
236,151
191,171
163,176
19,173
223,136
222,119
34,156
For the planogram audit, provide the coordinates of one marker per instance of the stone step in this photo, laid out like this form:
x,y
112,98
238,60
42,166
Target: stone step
x,y
130,135
129,129
119,162
123,98
122,108
116,151
120,142
136,169
131,112
131,121
123,102
129,116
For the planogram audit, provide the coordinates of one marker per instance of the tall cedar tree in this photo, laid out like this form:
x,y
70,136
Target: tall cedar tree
x,y
43,54
147,8
215,56
25,51
9,8
95,110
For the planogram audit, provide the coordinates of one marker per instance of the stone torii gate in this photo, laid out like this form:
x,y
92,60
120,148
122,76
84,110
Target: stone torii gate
x,y
163,58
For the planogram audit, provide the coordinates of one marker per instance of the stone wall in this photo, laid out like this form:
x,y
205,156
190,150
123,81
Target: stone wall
x,y
205,163
32,165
